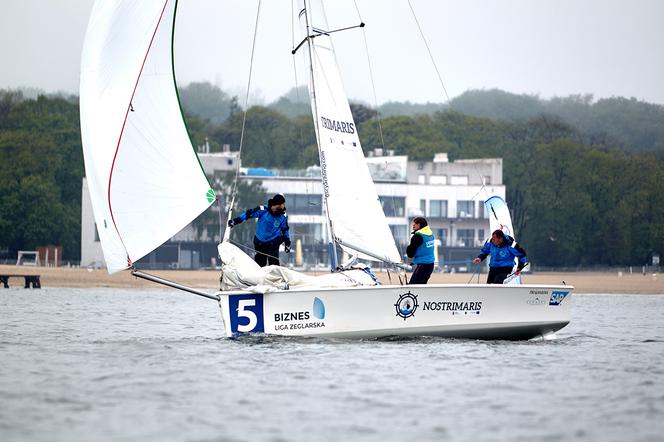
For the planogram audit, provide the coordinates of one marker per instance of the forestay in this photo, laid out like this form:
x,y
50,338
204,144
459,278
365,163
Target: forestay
x,y
356,215
145,180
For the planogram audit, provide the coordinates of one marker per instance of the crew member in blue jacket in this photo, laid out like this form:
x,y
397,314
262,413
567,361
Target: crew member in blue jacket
x,y
503,250
271,230
421,250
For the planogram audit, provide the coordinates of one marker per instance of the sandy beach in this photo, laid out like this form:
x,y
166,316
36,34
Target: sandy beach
x,y
584,282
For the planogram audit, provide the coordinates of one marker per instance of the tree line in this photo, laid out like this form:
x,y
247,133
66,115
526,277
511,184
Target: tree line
x,y
579,197
40,174
627,123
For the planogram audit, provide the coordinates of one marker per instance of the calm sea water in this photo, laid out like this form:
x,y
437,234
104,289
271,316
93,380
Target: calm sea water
x,y
112,364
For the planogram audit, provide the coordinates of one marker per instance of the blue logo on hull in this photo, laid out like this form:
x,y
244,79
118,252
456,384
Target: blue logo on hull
x,y
406,305
319,309
557,297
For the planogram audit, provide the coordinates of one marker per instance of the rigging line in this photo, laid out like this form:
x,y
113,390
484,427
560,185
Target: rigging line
x,y
481,177
246,109
300,133
433,61
297,86
371,77
252,249
477,272
221,224
398,245
358,11
483,188
482,180
334,51
477,194
292,21
379,119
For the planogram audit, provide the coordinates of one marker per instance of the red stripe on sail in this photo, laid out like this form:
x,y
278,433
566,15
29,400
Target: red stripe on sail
x,y
117,148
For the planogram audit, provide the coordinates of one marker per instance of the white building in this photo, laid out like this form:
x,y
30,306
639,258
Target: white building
x,y
449,194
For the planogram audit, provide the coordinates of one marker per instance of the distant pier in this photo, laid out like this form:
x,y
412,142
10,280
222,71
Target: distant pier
x,y
30,280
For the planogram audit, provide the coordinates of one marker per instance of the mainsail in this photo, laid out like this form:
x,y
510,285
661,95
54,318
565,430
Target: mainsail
x,y
145,180
356,216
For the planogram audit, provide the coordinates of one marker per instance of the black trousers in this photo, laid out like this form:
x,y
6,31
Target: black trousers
x,y
267,253
498,274
421,274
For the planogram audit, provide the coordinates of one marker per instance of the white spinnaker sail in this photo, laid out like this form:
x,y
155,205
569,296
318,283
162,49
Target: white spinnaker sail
x,y
499,215
354,210
145,180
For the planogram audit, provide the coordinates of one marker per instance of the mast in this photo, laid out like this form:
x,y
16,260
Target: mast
x,y
341,155
332,238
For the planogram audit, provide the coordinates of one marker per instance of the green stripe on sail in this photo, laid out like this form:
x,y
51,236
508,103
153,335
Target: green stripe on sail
x,y
177,94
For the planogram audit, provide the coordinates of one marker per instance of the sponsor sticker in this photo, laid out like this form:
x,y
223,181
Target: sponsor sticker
x,y
557,297
536,300
300,320
455,308
538,297
406,305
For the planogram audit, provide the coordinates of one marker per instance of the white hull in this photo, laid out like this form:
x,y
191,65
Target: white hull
x,y
449,310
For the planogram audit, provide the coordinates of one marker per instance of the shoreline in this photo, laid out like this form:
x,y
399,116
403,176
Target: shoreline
x,y
583,282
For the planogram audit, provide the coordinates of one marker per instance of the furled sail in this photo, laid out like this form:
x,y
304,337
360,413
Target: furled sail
x,y
355,212
146,182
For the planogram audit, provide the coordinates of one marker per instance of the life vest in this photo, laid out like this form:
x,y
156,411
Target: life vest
x,y
424,253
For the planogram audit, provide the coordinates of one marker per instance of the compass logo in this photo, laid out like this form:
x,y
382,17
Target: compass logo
x,y
406,305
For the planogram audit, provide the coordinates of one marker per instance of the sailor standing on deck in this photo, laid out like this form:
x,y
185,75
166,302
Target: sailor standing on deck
x,y
271,231
421,249
503,250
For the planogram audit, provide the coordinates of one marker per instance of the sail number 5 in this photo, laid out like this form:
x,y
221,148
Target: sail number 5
x,y
246,313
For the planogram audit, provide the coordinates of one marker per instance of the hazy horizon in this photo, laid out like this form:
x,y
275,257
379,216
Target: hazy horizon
x,y
547,48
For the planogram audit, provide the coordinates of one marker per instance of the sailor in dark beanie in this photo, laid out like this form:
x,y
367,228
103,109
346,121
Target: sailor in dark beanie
x,y
271,230
276,200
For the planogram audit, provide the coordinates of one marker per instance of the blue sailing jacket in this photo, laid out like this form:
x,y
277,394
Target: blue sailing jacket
x,y
270,227
424,252
504,256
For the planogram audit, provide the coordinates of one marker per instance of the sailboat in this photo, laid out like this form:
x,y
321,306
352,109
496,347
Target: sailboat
x,y
146,183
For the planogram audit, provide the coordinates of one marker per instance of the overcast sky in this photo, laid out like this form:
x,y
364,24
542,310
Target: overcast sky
x,y
545,47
